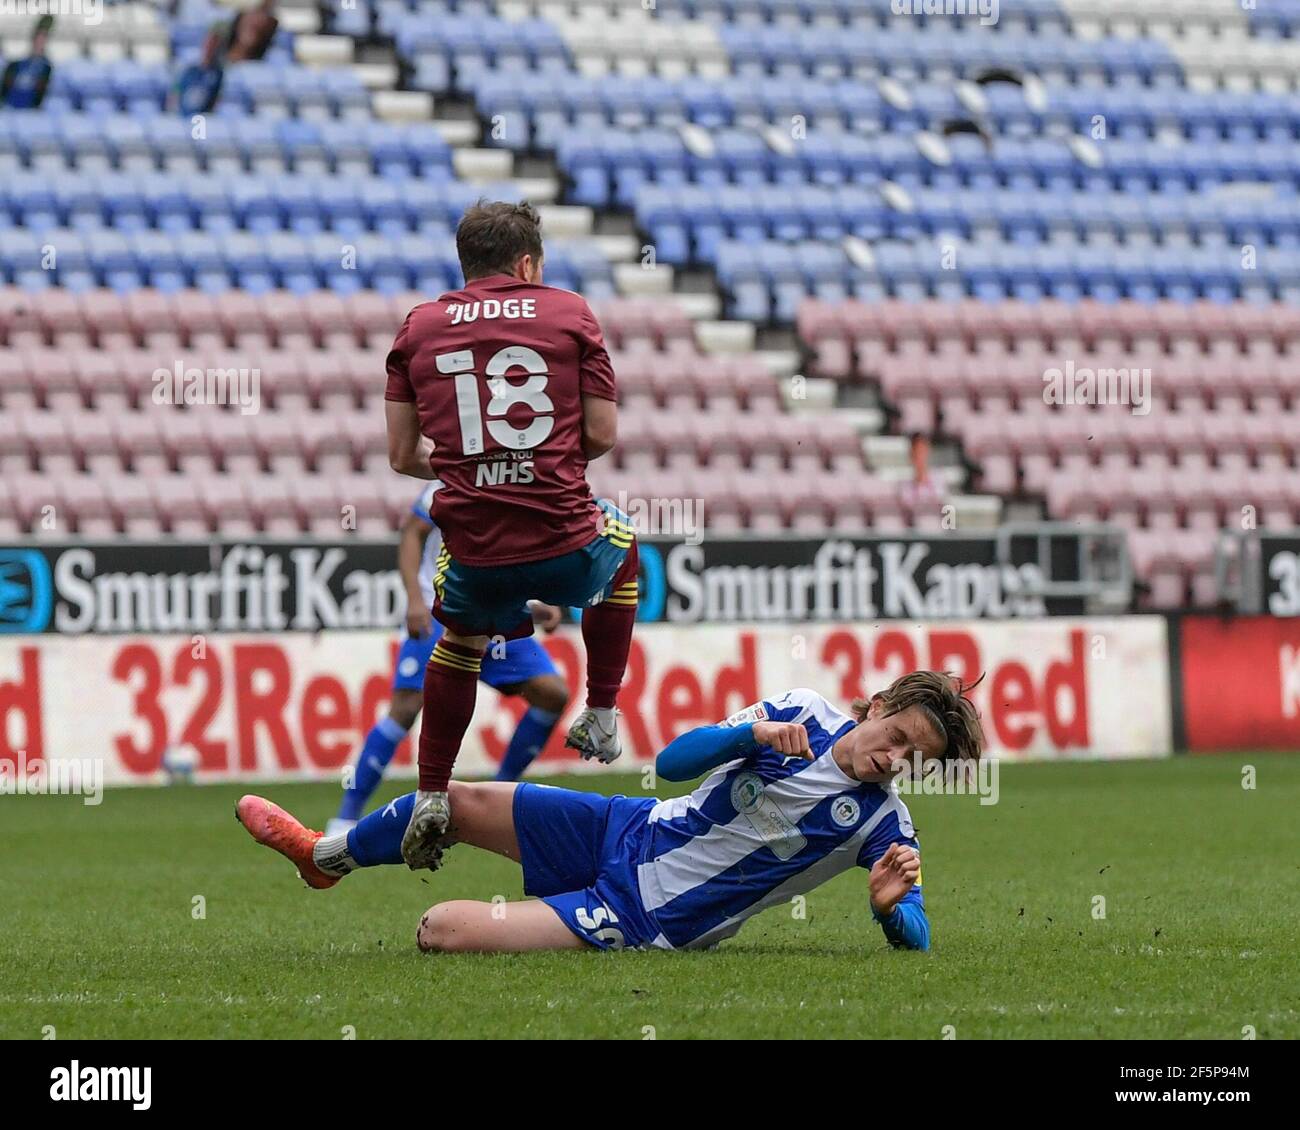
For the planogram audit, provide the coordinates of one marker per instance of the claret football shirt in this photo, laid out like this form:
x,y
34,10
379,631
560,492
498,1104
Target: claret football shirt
x,y
497,372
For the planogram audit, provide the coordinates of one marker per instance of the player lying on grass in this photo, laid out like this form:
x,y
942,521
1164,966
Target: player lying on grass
x,y
798,793
512,667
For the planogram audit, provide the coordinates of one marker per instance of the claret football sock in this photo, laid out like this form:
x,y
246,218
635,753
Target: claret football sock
x,y
377,751
450,687
607,634
532,733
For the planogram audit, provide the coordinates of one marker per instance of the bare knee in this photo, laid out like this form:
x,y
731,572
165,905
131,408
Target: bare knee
x,y
405,707
466,801
443,929
463,795
547,692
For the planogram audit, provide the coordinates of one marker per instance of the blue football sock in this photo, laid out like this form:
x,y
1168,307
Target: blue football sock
x,y
530,736
378,838
380,745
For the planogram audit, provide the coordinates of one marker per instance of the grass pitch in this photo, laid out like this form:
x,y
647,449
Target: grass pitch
x,y
155,916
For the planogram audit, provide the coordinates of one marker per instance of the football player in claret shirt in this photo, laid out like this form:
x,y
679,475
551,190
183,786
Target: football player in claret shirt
x,y
501,392
797,792
520,667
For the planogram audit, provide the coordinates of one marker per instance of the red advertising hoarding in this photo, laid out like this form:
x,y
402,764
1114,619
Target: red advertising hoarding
x,y
1241,682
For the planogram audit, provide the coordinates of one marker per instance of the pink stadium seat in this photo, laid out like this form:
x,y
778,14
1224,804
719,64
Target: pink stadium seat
x,y
61,318
184,435
376,504
675,442
374,316
755,387
283,378
99,377
18,391
277,441
288,317
327,446
670,375
273,507
105,312
226,505
178,502
714,380
48,440
329,380
241,317
316,502
53,372
327,315
14,450
364,371
233,440
28,495
196,313
140,442
92,438
635,370
19,315
152,320
87,505
133,504
723,514
761,438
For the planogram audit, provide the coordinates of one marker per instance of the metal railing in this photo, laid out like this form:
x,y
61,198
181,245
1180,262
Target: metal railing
x,y
1101,572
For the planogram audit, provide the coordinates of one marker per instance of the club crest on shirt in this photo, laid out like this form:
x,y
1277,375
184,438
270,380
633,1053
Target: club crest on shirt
x,y
747,792
845,811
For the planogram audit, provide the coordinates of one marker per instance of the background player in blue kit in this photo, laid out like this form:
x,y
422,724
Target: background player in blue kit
x,y
799,792
512,667
23,82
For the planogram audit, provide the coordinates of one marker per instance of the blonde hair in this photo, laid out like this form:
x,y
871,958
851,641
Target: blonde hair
x,y
941,697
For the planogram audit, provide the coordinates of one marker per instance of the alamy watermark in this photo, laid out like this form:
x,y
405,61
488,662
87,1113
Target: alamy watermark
x,y
933,776
66,776
986,10
89,12
181,385
87,1083
1082,385
665,517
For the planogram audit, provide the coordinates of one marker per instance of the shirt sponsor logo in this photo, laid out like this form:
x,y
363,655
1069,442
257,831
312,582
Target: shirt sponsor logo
x,y
774,828
754,713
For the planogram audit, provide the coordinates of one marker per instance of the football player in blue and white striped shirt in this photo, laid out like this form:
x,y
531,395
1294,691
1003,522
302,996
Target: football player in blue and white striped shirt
x,y
797,791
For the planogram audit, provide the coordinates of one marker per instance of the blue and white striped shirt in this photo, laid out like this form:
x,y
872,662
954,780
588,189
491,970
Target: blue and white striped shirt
x,y
433,544
764,828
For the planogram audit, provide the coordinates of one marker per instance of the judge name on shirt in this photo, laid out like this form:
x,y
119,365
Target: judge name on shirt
x,y
512,308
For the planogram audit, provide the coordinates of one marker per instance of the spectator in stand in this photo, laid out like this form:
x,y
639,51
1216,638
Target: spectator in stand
x,y
251,33
26,80
921,494
199,84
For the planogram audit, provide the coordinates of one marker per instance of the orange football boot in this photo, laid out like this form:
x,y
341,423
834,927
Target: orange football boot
x,y
269,824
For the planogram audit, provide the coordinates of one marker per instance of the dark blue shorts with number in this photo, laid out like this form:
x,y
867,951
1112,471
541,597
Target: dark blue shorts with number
x,y
492,600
